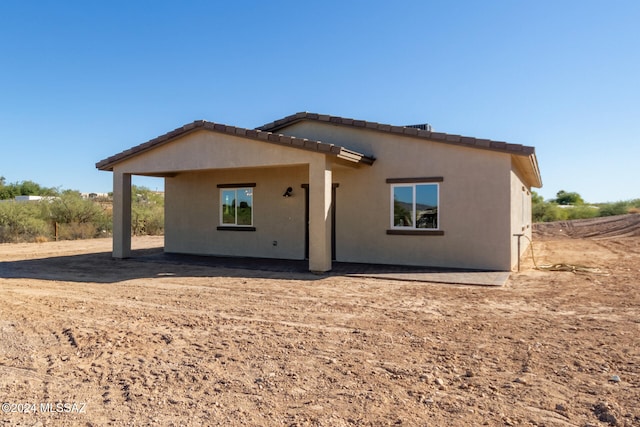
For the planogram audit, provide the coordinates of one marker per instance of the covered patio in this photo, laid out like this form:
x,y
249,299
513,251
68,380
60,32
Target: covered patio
x,y
202,149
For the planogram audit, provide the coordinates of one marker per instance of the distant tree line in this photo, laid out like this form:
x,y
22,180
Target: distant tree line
x,y
570,205
66,215
24,188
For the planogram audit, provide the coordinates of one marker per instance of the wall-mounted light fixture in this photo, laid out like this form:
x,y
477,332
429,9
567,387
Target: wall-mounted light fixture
x,y
288,192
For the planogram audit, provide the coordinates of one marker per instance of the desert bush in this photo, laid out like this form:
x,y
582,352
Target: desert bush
x,y
147,212
22,222
573,207
70,207
77,230
617,208
547,212
78,218
582,212
154,225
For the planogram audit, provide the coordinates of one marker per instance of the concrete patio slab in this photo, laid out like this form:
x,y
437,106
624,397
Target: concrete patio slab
x,y
373,271
476,278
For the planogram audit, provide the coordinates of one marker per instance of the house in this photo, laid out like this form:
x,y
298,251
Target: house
x,y
28,198
324,188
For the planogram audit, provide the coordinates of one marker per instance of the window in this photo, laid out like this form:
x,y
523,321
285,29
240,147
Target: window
x,y
415,206
236,207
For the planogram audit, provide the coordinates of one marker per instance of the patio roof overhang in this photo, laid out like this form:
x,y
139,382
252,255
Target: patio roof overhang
x,y
339,152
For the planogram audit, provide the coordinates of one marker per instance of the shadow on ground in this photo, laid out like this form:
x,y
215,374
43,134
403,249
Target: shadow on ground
x,y
148,263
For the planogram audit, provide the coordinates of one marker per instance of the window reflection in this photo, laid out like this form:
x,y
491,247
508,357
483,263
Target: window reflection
x,y
228,206
237,206
245,200
403,206
427,206
415,206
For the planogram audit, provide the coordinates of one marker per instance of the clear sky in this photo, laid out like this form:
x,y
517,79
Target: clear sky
x,y
83,80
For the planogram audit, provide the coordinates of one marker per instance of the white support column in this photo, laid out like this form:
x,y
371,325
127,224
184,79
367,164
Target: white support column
x,y
121,214
320,180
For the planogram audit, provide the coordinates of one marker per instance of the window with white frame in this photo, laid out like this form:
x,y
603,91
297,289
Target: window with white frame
x,y
415,206
236,206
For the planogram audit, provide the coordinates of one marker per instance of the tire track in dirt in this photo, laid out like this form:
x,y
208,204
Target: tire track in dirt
x,y
236,351
595,228
69,334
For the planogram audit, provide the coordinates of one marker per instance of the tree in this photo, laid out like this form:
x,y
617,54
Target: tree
x,y
29,188
536,198
567,198
23,188
8,192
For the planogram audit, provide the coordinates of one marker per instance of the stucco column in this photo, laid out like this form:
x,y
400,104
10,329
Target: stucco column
x,y
121,214
320,179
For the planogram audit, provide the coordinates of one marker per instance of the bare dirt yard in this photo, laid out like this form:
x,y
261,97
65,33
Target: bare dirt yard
x,y
86,340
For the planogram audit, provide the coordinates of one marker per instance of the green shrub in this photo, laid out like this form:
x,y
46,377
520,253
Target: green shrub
x,y
78,218
22,222
617,208
547,212
70,207
76,230
542,211
582,212
147,212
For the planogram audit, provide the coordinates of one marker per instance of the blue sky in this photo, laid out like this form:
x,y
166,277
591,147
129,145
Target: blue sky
x,y
83,80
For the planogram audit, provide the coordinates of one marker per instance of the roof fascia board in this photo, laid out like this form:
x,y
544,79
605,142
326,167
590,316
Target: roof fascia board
x,y
528,167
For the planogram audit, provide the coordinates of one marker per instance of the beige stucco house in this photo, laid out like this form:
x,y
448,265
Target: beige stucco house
x,y
325,188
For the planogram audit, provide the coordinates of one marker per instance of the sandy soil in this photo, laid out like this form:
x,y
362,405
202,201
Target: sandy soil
x,y
144,343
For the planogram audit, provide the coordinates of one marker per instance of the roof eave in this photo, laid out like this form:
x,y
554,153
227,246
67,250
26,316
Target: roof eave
x,y
528,166
533,160
253,134
452,139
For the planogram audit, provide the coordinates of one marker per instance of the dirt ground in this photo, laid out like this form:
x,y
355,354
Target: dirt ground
x,y
87,340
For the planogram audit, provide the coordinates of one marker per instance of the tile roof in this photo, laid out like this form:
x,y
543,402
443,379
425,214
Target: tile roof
x,y
465,141
255,134
524,155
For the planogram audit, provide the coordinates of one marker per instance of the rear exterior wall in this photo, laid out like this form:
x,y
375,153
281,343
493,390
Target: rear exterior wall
x,y
475,205
192,214
474,200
